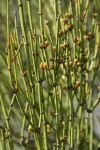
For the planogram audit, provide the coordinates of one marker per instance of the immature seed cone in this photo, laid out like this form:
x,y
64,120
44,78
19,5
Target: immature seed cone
x,y
44,45
57,93
75,61
64,88
71,64
43,65
70,27
68,15
94,15
54,48
64,21
33,36
78,41
47,22
52,113
89,36
65,137
60,34
62,46
66,44
30,128
24,73
63,123
72,73
77,84
51,66
48,129
98,88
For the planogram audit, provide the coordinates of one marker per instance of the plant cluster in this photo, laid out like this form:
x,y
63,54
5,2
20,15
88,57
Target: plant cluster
x,y
48,78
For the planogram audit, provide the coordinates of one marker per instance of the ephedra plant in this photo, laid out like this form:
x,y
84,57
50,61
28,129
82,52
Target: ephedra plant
x,y
47,76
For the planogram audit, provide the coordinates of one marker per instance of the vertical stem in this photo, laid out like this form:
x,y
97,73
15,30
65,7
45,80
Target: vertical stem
x,y
7,23
91,132
41,14
25,38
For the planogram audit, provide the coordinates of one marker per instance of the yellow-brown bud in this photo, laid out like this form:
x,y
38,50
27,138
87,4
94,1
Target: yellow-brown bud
x,y
64,88
65,137
43,65
68,15
98,88
30,128
94,15
62,46
63,123
54,48
89,36
52,113
64,21
70,27
66,44
77,84
72,73
51,66
75,61
71,64
48,129
57,93
47,22
60,34
44,45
